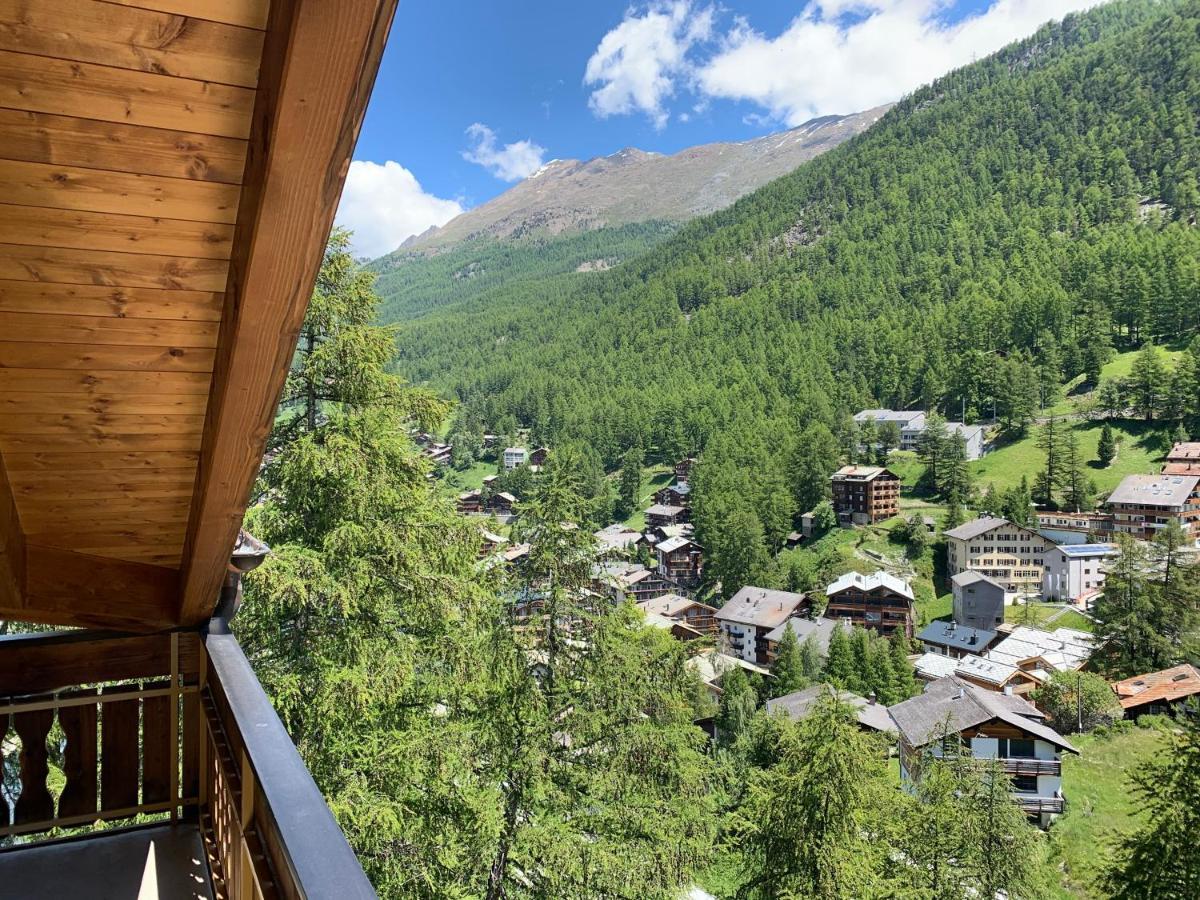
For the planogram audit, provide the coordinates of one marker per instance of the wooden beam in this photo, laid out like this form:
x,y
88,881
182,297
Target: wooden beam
x,y
37,663
66,588
12,545
319,64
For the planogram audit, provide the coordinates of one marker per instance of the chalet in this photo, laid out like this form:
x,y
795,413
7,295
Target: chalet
x,y
677,494
658,533
491,543
989,726
871,715
878,601
179,174
1076,571
954,640
677,628
489,480
930,666
680,560
439,454
616,539
539,456
683,468
1142,505
699,616
627,580
470,502
978,670
1011,554
820,629
501,504
793,540
1183,459
1158,693
978,600
864,495
751,614
515,457
974,438
661,515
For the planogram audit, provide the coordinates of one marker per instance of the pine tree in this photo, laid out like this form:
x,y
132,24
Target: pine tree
x,y
789,666
839,660
904,682
1106,449
931,449
813,461
810,658
1073,478
1050,443
738,702
954,476
630,490
1147,380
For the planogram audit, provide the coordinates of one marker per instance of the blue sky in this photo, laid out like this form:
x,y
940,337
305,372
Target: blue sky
x,y
474,95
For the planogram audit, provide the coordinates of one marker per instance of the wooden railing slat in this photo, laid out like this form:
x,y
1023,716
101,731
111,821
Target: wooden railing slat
x,y
156,745
3,801
79,756
34,803
119,751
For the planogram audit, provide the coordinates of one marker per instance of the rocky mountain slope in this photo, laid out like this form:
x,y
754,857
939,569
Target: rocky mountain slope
x,y
567,195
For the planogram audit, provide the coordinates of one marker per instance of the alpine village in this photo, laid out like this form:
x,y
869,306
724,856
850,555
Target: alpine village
x,y
810,513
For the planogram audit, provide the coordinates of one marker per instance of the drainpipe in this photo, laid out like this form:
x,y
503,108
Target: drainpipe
x,y
248,554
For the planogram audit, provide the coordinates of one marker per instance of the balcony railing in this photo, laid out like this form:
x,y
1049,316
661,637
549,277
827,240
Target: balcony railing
x,y
1016,766
173,727
1038,805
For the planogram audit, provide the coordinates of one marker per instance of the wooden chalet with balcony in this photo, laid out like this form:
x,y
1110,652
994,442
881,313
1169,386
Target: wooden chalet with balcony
x,y
171,169
864,495
878,601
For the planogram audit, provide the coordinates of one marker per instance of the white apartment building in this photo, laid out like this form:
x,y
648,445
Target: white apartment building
x,y
515,456
1008,553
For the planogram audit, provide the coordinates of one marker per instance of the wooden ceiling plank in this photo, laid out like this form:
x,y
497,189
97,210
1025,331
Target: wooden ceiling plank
x,y
101,462
100,424
12,545
48,327
129,304
59,513
97,381
127,37
248,13
139,270
122,480
96,190
154,557
142,493
66,588
112,357
117,147
114,404
106,535
80,230
308,112
65,88
87,443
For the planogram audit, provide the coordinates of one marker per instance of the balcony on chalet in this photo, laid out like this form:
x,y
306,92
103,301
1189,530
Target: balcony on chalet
x,y
172,169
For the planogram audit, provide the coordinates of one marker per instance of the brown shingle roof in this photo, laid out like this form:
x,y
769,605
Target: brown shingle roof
x,y
1166,686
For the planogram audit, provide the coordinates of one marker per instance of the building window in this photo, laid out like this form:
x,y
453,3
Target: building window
x,y
1016,748
1025,784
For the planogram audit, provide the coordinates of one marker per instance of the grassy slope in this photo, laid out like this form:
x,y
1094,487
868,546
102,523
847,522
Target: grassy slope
x,y
1100,804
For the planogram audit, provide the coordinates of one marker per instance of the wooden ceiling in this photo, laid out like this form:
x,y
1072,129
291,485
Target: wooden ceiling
x,y
169,170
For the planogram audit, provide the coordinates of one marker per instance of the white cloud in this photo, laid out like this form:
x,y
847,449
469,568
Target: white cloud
x,y
512,162
385,204
824,63
637,63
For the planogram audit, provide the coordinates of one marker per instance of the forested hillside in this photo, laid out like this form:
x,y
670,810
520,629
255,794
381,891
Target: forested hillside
x,y
1040,202
413,283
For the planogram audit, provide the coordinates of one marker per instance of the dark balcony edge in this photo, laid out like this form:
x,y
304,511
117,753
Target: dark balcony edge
x,y
322,862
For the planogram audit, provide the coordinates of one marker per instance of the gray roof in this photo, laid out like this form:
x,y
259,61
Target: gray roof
x,y
970,576
803,626
958,637
662,509
976,527
671,544
953,705
798,704
900,417
761,607
1155,490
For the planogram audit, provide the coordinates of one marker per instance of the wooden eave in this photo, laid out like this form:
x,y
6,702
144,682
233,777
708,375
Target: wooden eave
x,y
169,172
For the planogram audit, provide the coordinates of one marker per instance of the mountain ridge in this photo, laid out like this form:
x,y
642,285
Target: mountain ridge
x,y
634,185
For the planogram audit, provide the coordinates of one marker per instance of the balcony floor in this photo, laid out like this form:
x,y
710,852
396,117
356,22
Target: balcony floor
x,y
161,861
